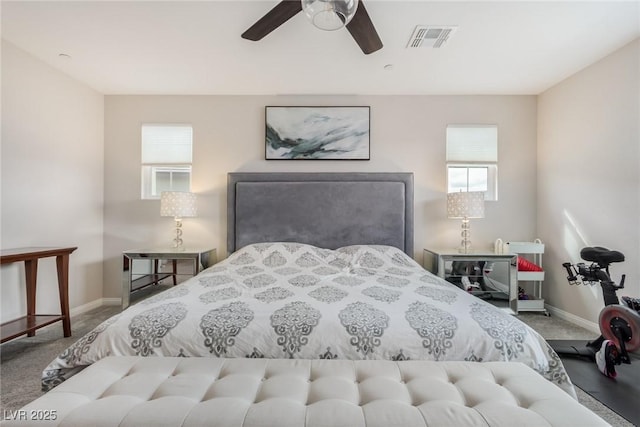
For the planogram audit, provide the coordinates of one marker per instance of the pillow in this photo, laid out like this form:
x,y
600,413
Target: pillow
x,y
526,265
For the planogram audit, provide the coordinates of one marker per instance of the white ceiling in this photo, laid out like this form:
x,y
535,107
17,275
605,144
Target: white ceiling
x,y
194,47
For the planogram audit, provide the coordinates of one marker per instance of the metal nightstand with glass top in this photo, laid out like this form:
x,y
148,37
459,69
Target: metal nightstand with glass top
x,y
487,275
135,280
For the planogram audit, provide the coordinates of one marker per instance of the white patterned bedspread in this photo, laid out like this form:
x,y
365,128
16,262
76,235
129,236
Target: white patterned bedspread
x,y
278,300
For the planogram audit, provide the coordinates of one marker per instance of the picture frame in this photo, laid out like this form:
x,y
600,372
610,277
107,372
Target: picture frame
x,y
317,132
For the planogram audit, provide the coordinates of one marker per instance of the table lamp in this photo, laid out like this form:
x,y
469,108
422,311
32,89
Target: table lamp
x,y
178,204
465,205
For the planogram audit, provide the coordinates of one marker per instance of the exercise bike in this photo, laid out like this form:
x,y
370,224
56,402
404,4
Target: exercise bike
x,y
619,323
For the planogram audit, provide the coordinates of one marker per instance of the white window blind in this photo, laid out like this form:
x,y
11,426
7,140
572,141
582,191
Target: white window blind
x,y
166,144
472,143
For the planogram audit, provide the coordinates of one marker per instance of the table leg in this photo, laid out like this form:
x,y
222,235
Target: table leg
x,y
127,270
175,271
62,264
31,273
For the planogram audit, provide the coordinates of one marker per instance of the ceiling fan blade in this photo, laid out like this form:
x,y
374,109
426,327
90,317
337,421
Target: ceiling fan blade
x,y
277,16
363,31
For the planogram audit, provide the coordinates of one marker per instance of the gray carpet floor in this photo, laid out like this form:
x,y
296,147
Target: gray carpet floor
x,y
22,360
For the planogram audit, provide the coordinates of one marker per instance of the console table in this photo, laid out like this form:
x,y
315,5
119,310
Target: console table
x,y
32,321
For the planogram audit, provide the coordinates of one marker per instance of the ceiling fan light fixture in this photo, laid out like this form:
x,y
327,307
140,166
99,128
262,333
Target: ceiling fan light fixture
x,y
329,15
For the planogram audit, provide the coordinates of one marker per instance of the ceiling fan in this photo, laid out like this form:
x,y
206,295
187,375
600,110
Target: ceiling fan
x,y
335,14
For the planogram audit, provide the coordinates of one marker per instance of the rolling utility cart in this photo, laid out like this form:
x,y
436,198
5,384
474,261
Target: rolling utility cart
x,y
530,275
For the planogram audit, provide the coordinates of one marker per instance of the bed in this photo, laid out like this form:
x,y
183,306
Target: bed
x,y
320,267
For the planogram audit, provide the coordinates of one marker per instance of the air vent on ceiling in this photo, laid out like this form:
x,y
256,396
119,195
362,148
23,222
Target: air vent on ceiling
x,y
431,36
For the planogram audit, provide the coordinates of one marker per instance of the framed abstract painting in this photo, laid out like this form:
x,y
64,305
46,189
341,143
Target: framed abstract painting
x,y
317,133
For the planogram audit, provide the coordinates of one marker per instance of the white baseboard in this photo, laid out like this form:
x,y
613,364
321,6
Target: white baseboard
x,y
576,320
94,304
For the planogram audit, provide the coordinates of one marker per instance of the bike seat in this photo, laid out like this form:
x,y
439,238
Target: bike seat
x,y
602,256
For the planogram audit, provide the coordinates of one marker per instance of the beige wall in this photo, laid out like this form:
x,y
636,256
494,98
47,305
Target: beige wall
x,y
407,134
52,179
584,133
588,175
61,141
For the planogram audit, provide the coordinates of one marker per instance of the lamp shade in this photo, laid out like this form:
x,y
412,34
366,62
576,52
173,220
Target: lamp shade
x,y
178,204
329,15
465,204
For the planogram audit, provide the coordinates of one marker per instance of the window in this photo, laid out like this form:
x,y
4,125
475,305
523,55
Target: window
x,y
166,159
472,159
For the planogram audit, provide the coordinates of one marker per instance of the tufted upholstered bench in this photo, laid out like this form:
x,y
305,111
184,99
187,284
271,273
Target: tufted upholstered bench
x,y
168,391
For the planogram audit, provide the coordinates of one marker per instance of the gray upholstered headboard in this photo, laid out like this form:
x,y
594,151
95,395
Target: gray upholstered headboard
x,y
327,210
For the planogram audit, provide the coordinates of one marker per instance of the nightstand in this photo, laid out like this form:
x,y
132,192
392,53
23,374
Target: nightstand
x,y
493,277
133,281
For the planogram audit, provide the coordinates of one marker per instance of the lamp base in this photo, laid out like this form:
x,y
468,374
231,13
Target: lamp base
x,y
464,249
465,244
177,241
